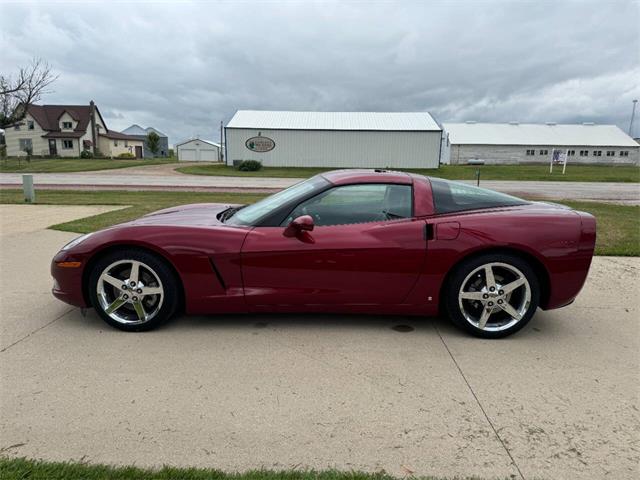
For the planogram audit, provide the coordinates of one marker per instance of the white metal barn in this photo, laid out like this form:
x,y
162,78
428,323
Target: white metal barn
x,y
334,139
513,143
198,150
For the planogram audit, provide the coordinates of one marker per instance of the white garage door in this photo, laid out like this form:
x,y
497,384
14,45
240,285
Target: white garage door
x,y
188,154
208,155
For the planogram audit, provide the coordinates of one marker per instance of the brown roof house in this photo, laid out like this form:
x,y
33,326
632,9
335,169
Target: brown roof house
x,y
66,131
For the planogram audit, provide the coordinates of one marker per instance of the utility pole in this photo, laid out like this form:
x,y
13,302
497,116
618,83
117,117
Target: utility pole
x,y
633,116
220,149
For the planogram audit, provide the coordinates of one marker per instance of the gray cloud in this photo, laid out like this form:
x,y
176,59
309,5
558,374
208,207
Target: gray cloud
x,y
183,67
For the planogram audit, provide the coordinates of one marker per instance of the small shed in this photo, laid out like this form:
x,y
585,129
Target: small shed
x,y
198,150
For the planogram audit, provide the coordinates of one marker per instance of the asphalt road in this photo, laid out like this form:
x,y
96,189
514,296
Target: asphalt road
x,y
560,400
158,179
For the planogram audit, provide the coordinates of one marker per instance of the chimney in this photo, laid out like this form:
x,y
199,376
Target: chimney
x,y
92,116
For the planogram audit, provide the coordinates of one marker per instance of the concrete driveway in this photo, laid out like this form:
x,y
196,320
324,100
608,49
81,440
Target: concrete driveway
x,y
558,400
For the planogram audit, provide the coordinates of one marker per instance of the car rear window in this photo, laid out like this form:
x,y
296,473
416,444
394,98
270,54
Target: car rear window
x,y
451,197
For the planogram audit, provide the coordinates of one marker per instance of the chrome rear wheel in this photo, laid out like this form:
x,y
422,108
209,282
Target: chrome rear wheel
x,y
492,295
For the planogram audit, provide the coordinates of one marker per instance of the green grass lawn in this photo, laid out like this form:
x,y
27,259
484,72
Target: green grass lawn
x,y
575,173
23,469
618,229
65,165
136,203
618,225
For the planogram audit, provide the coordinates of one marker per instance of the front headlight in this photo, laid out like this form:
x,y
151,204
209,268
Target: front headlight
x,y
76,241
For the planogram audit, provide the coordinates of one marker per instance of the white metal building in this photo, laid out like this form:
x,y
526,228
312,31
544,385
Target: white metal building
x,y
504,143
198,150
334,139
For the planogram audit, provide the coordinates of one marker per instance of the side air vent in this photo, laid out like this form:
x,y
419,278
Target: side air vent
x,y
215,270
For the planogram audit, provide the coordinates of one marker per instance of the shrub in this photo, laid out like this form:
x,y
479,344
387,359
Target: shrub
x,y
126,155
86,154
249,166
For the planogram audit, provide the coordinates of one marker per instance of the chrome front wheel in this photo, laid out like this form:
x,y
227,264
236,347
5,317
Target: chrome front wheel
x,y
133,289
130,292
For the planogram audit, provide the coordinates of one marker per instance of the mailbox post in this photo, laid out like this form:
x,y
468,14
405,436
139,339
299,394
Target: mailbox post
x,y
479,162
27,188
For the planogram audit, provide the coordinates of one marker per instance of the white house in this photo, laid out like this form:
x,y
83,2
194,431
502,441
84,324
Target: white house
x,y
513,143
67,131
198,150
334,139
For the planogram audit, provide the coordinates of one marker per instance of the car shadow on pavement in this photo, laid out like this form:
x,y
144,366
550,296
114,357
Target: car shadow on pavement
x,y
543,325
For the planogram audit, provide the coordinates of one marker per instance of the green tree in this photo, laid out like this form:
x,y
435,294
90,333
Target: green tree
x,y
153,142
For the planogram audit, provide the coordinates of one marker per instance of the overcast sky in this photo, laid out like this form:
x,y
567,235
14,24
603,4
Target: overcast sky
x,y
183,67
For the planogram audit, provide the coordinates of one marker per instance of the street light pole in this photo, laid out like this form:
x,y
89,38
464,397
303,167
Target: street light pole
x,y
633,116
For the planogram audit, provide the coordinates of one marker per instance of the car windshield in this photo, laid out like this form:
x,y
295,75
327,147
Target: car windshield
x,y
452,197
250,215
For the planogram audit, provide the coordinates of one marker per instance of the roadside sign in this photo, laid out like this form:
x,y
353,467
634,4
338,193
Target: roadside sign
x,y
558,157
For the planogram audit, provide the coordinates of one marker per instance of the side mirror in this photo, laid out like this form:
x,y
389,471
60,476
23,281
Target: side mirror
x,y
299,227
303,223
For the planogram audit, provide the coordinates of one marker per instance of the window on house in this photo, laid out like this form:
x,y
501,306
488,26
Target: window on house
x,y
115,143
30,125
624,153
25,145
16,127
544,152
531,152
67,125
597,153
611,153
571,153
126,143
67,144
584,153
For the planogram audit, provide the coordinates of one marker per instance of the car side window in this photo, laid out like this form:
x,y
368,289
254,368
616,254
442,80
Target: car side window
x,y
452,197
357,204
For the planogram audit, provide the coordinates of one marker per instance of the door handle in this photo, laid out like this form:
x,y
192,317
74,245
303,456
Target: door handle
x,y
428,231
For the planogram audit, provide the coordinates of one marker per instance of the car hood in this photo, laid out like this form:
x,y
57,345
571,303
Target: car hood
x,y
198,214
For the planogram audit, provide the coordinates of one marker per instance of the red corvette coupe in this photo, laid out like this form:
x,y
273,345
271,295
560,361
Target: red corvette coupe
x,y
344,241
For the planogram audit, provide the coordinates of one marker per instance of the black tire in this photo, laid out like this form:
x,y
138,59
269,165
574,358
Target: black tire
x,y
465,269
159,267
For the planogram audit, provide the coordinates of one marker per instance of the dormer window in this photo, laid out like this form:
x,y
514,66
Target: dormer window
x,y
67,125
